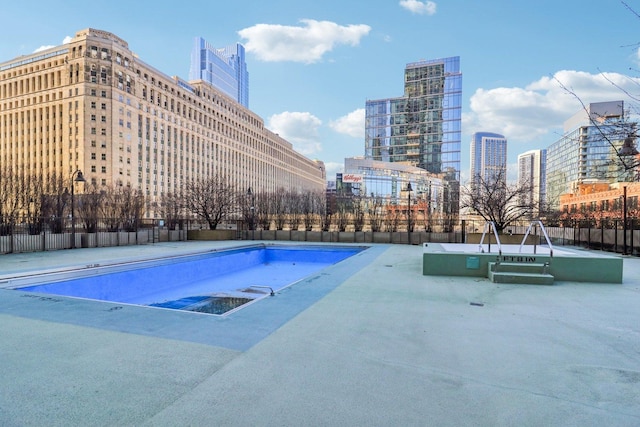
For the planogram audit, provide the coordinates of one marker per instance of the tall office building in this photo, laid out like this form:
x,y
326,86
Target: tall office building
x,y
588,153
388,181
422,128
224,68
532,173
93,105
488,157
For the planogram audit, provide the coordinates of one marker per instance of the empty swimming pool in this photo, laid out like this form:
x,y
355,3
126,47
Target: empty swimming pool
x,y
214,282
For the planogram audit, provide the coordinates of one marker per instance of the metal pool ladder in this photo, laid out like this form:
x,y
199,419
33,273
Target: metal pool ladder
x,y
546,236
487,227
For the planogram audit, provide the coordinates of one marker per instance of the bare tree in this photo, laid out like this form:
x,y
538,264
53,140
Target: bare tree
x,y
54,202
132,202
342,211
89,206
263,210
375,212
11,189
308,209
32,198
313,207
295,204
358,212
247,208
279,208
331,205
211,199
496,201
392,218
110,208
171,208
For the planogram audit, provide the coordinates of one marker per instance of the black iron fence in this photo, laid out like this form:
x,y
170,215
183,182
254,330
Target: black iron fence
x,y
612,235
45,234
60,233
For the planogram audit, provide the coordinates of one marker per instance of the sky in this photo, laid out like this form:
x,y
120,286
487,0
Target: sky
x,y
527,66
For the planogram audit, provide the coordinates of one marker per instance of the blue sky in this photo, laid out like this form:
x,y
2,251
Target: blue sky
x,y
313,64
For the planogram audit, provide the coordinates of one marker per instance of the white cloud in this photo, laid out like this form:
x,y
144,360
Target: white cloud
x,y
542,106
300,129
45,47
352,124
332,169
66,40
307,43
419,7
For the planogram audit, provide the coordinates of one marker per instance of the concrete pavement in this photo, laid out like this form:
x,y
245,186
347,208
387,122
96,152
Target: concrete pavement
x,y
370,341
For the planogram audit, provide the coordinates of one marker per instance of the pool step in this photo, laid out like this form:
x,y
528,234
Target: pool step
x,y
520,273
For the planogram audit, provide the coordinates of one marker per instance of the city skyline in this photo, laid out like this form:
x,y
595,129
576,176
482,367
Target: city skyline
x,y
313,66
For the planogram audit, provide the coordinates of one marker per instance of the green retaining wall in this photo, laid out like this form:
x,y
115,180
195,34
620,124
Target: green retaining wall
x,y
571,268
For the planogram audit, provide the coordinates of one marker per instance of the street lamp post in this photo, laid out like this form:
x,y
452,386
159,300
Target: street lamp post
x,y
252,209
409,189
627,151
624,220
75,177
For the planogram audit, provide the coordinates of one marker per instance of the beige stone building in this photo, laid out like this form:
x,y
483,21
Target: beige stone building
x,y
93,105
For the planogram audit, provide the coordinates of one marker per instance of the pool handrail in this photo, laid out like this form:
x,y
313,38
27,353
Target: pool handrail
x,y
490,224
544,232
264,287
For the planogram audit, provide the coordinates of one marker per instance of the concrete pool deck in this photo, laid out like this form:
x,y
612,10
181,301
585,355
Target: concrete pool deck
x,y
371,341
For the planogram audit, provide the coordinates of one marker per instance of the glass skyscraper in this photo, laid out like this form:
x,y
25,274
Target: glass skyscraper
x,y
224,68
586,152
488,157
422,128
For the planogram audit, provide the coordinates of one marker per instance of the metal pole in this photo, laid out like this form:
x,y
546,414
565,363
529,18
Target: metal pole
x,y
73,218
75,176
409,214
624,220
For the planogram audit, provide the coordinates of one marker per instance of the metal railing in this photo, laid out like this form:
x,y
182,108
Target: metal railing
x,y
46,234
490,225
535,244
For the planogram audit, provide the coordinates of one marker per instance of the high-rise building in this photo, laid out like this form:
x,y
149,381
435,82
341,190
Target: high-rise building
x,y
224,68
394,184
588,150
532,174
422,128
93,105
488,158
